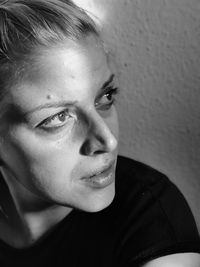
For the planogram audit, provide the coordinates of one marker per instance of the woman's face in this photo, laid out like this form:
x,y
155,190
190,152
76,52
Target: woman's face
x,y
61,128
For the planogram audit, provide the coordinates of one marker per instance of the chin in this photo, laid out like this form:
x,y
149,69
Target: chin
x,y
99,200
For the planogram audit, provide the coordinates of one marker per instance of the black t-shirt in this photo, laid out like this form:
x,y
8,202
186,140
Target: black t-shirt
x,y
148,218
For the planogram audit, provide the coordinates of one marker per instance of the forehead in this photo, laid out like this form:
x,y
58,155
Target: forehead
x,y
63,69
73,58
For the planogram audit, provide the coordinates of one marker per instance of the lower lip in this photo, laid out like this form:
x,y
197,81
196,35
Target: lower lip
x,y
101,180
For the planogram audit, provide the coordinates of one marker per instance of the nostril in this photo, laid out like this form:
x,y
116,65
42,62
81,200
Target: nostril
x,y
99,138
85,148
91,147
98,145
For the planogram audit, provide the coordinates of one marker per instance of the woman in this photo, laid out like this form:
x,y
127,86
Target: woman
x,y
66,198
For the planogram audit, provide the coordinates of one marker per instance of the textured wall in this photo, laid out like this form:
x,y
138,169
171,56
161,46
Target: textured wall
x,y
156,46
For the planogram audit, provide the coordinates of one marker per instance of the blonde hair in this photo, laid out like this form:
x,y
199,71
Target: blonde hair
x,y
26,25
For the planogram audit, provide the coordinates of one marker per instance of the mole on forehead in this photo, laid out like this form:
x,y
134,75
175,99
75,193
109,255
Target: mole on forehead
x,y
49,97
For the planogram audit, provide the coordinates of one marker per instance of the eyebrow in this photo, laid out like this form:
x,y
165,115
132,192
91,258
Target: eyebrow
x,y
62,103
56,104
109,81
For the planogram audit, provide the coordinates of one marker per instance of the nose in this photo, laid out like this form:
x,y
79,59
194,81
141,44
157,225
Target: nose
x,y
99,139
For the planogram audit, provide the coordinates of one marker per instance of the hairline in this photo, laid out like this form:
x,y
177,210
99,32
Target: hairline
x,y
15,67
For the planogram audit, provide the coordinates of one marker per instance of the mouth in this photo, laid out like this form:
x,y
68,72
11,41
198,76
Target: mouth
x,y
100,178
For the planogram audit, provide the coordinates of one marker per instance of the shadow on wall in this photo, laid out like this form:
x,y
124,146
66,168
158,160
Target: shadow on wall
x,y
155,45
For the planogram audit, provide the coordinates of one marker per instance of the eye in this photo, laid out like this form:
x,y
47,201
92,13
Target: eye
x,y
106,100
56,121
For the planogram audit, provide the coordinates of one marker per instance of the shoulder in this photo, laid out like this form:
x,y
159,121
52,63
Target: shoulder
x,y
154,217
176,260
134,173
141,187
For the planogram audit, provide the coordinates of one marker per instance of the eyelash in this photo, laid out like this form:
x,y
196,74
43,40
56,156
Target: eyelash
x,y
110,91
48,120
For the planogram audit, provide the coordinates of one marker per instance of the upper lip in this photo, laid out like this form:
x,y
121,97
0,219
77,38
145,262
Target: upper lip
x,y
99,170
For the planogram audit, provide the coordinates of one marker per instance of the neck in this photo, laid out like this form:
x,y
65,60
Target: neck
x,y
24,217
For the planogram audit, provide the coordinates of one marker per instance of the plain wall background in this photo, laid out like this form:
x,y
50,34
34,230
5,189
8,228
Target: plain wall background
x,y
156,47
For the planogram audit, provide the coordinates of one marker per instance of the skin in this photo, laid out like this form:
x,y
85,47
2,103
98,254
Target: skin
x,y
42,169
44,162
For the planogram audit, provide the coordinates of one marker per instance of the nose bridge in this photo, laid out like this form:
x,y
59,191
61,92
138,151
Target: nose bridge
x,y
101,130
99,137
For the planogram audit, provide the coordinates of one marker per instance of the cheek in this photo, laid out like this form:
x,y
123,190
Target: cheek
x,y
41,160
116,123
112,122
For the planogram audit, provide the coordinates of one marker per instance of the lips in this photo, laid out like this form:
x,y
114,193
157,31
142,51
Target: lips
x,y
99,171
101,178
